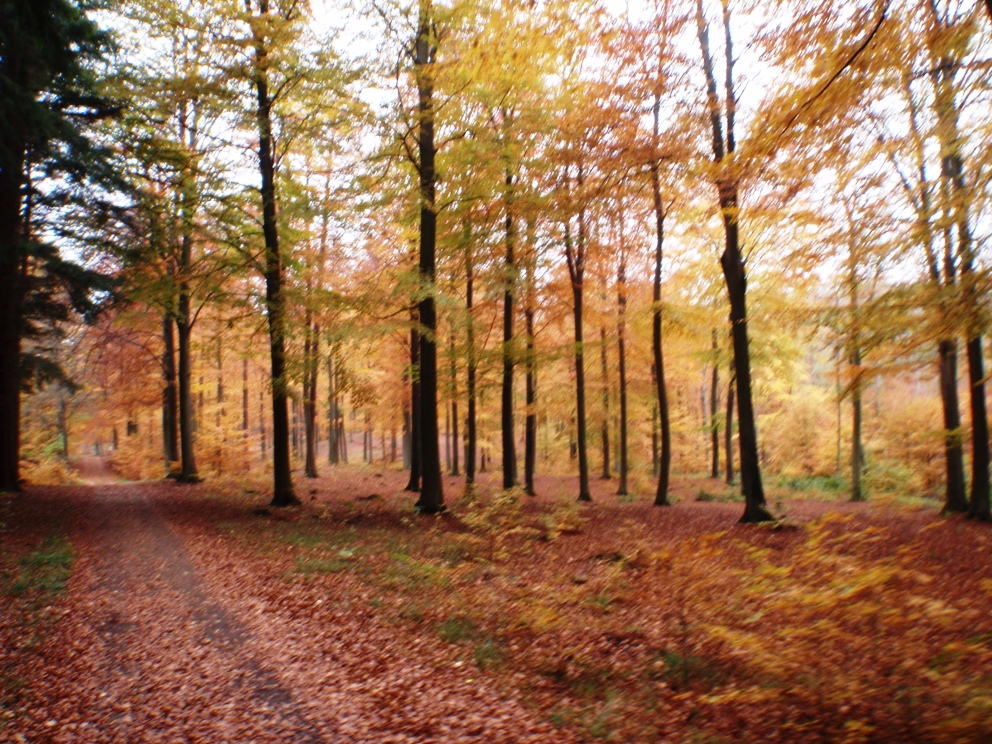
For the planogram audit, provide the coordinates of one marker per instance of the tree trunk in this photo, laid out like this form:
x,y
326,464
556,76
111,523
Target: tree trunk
x,y
332,411
187,472
733,270
622,363
455,467
170,396
310,401
509,290
275,302
530,390
431,499
413,484
665,459
979,506
447,439
575,259
665,455
654,434
261,423
714,421
732,263
955,500
857,453
728,432
471,430
220,414
604,432
13,267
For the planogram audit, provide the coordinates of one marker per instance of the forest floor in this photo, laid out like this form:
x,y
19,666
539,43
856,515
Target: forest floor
x,y
153,611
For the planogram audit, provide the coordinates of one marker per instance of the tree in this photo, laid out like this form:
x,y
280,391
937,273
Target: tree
x,y
732,259
424,55
275,304
49,94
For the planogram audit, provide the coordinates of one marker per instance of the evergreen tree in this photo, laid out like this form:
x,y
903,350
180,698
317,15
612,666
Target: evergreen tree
x,y
48,168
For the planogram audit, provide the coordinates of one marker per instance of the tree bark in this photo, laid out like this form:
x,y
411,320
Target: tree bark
x,y
575,257
509,290
664,462
275,302
413,484
622,360
728,432
857,453
13,266
170,396
471,430
605,428
431,499
187,472
455,467
714,421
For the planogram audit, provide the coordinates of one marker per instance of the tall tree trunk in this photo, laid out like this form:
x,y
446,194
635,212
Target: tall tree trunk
x,y
575,258
447,438
332,411
604,432
665,456
732,263
455,468
979,506
734,273
187,472
184,320
622,360
275,302
714,421
261,423
728,432
857,453
654,434
661,390
170,396
245,430
13,269
471,430
310,400
413,484
431,499
509,290
530,378
244,395
219,359
955,500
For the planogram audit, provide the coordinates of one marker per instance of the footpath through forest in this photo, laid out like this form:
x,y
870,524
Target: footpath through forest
x,y
153,644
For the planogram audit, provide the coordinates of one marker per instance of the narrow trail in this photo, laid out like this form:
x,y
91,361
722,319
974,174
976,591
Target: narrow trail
x,y
153,604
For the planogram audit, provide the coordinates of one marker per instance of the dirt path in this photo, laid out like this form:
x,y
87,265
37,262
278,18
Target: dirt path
x,y
165,640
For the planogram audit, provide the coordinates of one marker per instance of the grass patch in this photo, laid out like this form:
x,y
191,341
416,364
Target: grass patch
x,y
727,497
826,483
457,629
44,571
308,566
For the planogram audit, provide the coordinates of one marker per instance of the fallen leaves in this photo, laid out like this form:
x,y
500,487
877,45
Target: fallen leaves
x,y
188,615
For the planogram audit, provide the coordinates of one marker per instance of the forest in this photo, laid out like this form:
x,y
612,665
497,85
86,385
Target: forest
x,y
459,370
568,238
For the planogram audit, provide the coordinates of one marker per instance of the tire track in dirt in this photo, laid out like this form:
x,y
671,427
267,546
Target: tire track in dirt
x,y
169,659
